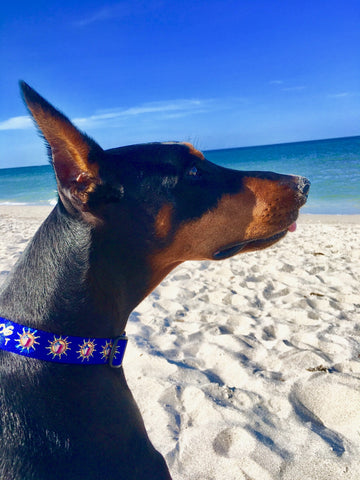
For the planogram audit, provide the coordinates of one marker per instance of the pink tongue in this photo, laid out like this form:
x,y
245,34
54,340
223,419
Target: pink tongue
x,y
292,227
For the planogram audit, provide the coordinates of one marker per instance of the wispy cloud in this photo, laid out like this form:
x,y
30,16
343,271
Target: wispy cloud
x,y
339,95
118,11
170,109
16,123
296,88
287,88
183,107
276,82
102,14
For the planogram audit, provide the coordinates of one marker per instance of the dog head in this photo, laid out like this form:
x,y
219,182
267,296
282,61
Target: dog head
x,y
165,200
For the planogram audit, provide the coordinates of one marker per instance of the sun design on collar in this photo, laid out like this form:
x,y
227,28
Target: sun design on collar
x,y
87,350
58,347
27,340
106,350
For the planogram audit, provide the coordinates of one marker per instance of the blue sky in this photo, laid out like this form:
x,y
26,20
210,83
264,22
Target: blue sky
x,y
220,74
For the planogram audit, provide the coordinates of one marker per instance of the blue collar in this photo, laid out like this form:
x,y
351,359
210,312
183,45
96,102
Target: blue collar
x,y
32,343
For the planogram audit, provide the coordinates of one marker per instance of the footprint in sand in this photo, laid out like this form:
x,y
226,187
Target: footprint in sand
x,y
234,442
329,405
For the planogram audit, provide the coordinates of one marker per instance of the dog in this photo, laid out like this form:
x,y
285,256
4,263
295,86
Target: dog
x,y
125,218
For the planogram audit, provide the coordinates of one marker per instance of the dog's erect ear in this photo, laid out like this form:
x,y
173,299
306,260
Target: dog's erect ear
x,y
73,153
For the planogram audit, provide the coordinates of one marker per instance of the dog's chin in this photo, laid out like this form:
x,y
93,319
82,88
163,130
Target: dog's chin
x,y
250,245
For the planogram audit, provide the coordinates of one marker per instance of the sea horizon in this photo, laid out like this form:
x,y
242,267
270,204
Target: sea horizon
x,y
332,165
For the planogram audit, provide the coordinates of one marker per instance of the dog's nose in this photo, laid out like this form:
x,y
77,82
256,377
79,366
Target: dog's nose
x,y
303,185
300,185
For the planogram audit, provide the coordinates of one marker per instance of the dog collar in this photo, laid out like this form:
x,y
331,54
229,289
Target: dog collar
x,y
42,345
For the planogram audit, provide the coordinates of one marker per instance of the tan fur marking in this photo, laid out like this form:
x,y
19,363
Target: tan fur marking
x,y
163,221
274,202
194,151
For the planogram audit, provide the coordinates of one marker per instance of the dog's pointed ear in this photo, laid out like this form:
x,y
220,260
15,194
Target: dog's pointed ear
x,y
74,155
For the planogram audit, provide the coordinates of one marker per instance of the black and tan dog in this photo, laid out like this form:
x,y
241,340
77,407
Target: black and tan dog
x,y
125,218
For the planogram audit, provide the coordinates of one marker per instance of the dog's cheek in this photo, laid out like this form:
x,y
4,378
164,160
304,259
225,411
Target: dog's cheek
x,y
163,221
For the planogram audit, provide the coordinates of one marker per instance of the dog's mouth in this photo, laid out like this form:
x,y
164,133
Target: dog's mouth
x,y
235,248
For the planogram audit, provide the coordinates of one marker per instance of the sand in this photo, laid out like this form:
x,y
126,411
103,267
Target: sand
x,y
247,368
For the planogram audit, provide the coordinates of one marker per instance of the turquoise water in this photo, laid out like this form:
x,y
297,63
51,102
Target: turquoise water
x,y
27,186
333,167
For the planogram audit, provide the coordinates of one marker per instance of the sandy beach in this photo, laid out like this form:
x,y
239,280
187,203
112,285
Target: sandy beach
x,y
247,368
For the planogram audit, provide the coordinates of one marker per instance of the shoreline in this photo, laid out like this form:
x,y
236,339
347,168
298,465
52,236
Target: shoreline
x,y
328,218
41,211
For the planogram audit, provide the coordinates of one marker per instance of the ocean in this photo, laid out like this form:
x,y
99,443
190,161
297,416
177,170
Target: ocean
x,y
332,166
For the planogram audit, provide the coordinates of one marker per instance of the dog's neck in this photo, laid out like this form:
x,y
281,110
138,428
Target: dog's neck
x,y
71,282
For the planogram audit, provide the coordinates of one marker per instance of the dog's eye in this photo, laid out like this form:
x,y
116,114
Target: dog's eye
x,y
193,172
